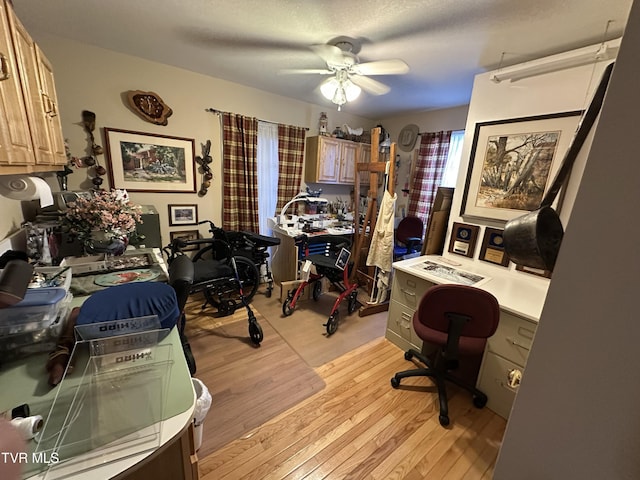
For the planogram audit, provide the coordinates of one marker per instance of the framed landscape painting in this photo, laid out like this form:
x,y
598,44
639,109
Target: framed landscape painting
x,y
146,162
513,162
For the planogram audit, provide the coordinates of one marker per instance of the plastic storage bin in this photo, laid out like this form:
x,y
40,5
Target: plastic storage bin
x,y
42,339
36,311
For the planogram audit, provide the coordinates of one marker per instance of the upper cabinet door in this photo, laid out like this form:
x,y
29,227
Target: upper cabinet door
x,y
16,147
329,161
50,105
27,61
348,164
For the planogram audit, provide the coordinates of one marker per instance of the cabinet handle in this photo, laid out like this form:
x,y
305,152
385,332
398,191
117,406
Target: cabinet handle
x,y
49,106
407,292
517,344
4,68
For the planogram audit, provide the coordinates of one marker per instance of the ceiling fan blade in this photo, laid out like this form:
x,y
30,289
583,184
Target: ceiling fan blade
x,y
382,67
329,53
370,85
295,71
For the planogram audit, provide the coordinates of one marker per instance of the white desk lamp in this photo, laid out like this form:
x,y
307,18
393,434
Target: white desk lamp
x,y
301,197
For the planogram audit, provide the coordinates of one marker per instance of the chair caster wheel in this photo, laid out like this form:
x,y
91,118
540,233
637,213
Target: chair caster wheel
x,y
444,420
408,355
255,332
479,401
395,383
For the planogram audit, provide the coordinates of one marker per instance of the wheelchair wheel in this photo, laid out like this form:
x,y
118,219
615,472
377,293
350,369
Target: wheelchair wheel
x,y
287,309
317,290
249,276
332,324
255,332
352,306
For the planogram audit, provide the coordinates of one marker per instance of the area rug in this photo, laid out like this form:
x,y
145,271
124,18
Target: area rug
x,y
303,330
249,385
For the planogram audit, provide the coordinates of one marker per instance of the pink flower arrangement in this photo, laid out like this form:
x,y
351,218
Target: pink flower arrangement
x,y
111,213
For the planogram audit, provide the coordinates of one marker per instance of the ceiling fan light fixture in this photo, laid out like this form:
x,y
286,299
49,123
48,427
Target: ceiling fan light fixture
x,y
329,88
351,90
340,90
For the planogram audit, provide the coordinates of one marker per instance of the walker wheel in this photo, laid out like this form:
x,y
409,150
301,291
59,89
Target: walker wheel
x,y
332,324
317,290
352,306
287,309
255,332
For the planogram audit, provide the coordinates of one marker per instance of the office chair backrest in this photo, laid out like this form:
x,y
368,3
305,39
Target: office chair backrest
x,y
409,227
457,317
480,308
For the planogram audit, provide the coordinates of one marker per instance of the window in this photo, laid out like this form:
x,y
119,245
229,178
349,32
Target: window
x,y
450,174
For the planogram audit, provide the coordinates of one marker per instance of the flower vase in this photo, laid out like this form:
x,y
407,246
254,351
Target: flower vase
x,y
100,242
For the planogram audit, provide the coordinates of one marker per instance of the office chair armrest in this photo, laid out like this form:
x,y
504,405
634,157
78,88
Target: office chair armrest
x,y
412,244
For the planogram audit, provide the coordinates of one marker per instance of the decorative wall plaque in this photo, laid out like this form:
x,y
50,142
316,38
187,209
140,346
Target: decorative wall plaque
x,y
463,239
149,106
492,249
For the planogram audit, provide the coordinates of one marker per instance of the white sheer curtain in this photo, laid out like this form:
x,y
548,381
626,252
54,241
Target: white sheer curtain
x,y
450,174
267,159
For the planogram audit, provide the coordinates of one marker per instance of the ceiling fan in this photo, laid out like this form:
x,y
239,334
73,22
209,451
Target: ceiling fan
x,y
348,75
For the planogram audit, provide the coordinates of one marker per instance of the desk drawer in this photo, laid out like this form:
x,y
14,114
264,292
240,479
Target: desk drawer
x,y
493,382
400,321
408,289
513,338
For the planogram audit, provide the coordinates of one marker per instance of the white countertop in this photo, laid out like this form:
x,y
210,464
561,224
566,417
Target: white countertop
x,y
520,293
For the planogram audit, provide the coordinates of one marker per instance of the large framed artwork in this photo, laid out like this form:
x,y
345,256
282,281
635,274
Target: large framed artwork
x,y
146,162
513,162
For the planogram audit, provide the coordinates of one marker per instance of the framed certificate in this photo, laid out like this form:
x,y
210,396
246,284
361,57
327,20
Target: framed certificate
x,y
463,239
492,249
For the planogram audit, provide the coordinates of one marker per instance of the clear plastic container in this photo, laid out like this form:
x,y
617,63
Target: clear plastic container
x,y
36,311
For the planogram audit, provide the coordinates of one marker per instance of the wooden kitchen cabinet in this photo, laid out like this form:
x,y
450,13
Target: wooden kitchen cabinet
x,y
331,160
30,130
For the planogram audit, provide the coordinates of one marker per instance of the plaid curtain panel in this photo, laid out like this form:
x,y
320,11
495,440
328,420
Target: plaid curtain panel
x,y
432,158
291,158
239,146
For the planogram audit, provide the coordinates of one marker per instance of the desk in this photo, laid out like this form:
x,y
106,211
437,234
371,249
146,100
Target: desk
x,y
521,297
28,382
284,259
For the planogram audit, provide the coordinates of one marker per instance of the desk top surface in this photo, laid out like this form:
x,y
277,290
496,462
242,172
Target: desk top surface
x,y
28,381
519,293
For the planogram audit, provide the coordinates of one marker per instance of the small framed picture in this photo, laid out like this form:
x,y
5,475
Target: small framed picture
x,y
492,249
343,258
185,235
183,215
463,239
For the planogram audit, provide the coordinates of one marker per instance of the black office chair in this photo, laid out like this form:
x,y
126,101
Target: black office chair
x,y
408,237
458,319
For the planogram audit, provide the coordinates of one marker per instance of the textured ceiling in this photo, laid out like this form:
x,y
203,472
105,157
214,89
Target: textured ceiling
x,y
444,42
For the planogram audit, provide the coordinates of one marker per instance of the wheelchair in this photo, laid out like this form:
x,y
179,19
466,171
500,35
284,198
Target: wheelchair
x,y
329,255
254,247
226,280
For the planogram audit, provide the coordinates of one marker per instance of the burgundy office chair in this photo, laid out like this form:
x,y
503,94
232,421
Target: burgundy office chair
x,y
458,319
408,237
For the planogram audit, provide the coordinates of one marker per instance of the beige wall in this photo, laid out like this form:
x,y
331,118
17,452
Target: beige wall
x,y
89,78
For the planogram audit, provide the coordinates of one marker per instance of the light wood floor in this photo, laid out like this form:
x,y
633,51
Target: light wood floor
x,y
360,427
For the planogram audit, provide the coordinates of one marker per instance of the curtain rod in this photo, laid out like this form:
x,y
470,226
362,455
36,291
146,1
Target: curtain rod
x,y
218,112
